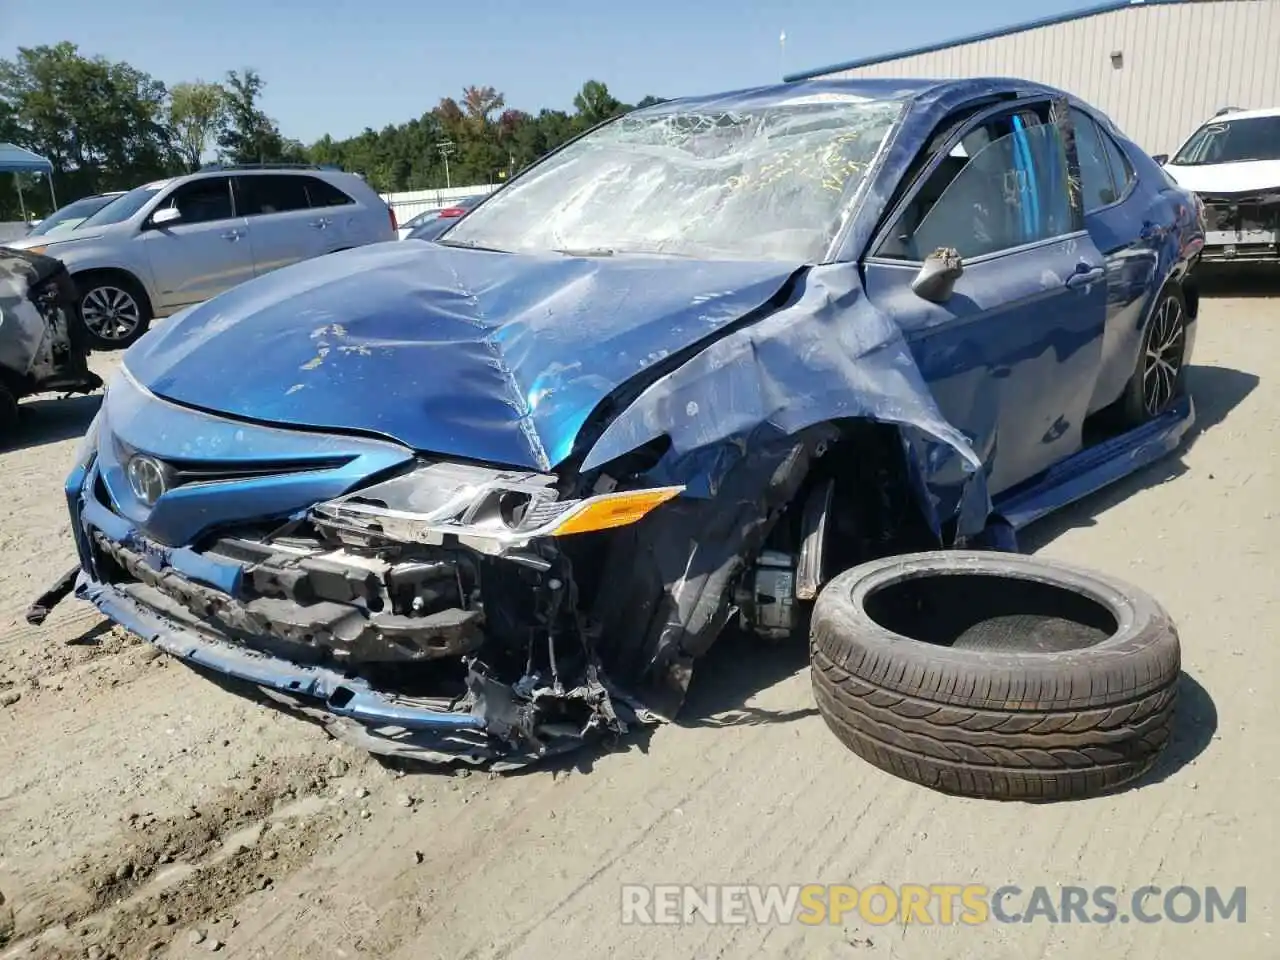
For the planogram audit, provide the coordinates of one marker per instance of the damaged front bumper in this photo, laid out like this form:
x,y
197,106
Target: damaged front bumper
x,y
338,633
1242,228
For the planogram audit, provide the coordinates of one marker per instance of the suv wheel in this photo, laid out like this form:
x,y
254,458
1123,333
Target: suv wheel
x,y
114,311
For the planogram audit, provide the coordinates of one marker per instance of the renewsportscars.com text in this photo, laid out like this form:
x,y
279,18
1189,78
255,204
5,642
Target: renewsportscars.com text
x,y
933,904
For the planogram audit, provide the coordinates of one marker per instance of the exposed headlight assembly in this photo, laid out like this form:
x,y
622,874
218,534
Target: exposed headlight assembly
x,y
489,510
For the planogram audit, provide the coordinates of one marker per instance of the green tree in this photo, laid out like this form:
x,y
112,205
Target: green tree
x,y
595,104
100,123
248,135
195,116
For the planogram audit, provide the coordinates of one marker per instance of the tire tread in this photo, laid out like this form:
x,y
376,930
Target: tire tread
x,y
1051,731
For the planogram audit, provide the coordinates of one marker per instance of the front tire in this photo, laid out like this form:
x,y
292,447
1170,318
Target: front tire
x,y
1158,378
114,311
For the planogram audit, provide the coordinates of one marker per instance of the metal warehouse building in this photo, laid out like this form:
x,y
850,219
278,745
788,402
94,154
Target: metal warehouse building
x,y
1158,68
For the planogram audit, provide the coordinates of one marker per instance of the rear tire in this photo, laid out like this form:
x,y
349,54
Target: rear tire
x,y
1050,683
113,310
1158,379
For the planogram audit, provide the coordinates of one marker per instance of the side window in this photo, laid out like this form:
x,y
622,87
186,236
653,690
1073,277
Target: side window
x,y
1121,169
271,193
323,194
202,201
1096,184
1004,185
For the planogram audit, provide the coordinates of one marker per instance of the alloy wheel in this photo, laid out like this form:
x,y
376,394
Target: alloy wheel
x,y
1166,343
110,313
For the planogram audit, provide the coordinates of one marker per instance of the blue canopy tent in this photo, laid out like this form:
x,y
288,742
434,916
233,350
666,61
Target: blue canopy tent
x,y
15,160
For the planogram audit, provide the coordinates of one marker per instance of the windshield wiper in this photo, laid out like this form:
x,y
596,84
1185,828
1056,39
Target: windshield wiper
x,y
585,252
470,245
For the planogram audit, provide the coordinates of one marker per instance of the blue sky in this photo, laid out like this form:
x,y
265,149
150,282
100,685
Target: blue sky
x,y
337,66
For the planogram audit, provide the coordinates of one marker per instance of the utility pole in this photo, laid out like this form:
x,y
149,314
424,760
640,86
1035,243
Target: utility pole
x,y
446,147
782,54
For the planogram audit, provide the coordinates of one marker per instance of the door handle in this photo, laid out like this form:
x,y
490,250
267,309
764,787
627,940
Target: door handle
x,y
321,223
232,235
1085,275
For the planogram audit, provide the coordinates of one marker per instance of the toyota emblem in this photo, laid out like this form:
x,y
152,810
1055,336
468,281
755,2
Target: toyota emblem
x,y
146,479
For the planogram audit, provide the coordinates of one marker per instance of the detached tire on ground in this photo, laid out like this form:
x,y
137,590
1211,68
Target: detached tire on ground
x,y
995,675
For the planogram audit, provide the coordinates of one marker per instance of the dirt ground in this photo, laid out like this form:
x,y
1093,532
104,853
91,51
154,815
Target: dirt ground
x,y
145,811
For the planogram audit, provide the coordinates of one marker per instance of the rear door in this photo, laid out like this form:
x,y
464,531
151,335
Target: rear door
x,y
203,252
1012,354
346,222
1125,227
285,229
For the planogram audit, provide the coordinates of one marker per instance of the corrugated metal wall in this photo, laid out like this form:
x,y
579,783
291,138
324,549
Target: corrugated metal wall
x,y
1179,63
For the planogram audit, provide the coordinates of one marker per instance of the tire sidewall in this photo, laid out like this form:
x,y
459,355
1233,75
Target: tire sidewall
x,y
846,632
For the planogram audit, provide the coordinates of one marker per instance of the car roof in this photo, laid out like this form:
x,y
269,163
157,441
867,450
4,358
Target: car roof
x,y
1233,114
309,170
875,88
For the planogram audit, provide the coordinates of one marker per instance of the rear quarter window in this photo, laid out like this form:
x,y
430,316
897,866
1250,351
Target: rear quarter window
x,y
324,194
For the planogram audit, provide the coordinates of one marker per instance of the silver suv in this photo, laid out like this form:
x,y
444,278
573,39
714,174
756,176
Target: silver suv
x,y
168,244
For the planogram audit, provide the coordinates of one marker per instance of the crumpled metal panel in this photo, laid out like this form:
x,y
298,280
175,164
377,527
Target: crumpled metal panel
x,y
486,356
502,359
24,332
827,355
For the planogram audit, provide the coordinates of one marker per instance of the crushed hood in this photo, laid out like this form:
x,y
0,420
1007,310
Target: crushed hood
x,y
489,356
1243,177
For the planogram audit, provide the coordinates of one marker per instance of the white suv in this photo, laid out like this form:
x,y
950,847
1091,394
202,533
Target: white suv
x,y
168,244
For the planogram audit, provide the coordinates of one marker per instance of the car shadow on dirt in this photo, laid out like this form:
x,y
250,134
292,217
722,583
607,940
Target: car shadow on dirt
x,y
735,669
1216,391
51,420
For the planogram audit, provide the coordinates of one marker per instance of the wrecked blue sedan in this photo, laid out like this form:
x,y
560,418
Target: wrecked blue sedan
x,y
491,497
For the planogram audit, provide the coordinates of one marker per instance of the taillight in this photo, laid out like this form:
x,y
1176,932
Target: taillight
x,y
451,212
392,214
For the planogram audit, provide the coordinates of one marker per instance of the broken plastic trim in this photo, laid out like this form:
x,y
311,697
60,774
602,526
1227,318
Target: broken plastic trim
x,y
491,511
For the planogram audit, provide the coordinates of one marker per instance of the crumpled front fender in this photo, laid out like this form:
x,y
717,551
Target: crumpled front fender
x,y
827,355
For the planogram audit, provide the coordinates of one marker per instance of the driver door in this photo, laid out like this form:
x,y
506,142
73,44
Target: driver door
x,y
205,251
1012,352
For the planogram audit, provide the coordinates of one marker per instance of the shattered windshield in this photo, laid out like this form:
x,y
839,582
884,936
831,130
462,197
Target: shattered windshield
x,y
1232,141
760,183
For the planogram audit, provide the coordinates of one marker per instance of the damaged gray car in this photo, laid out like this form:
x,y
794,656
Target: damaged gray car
x,y
41,349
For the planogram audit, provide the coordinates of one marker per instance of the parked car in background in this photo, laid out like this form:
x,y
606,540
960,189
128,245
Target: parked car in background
x,y
1233,164
433,224
42,349
494,495
172,243
72,215
417,220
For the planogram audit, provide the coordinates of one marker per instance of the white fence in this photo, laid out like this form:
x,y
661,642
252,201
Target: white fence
x,y
410,203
